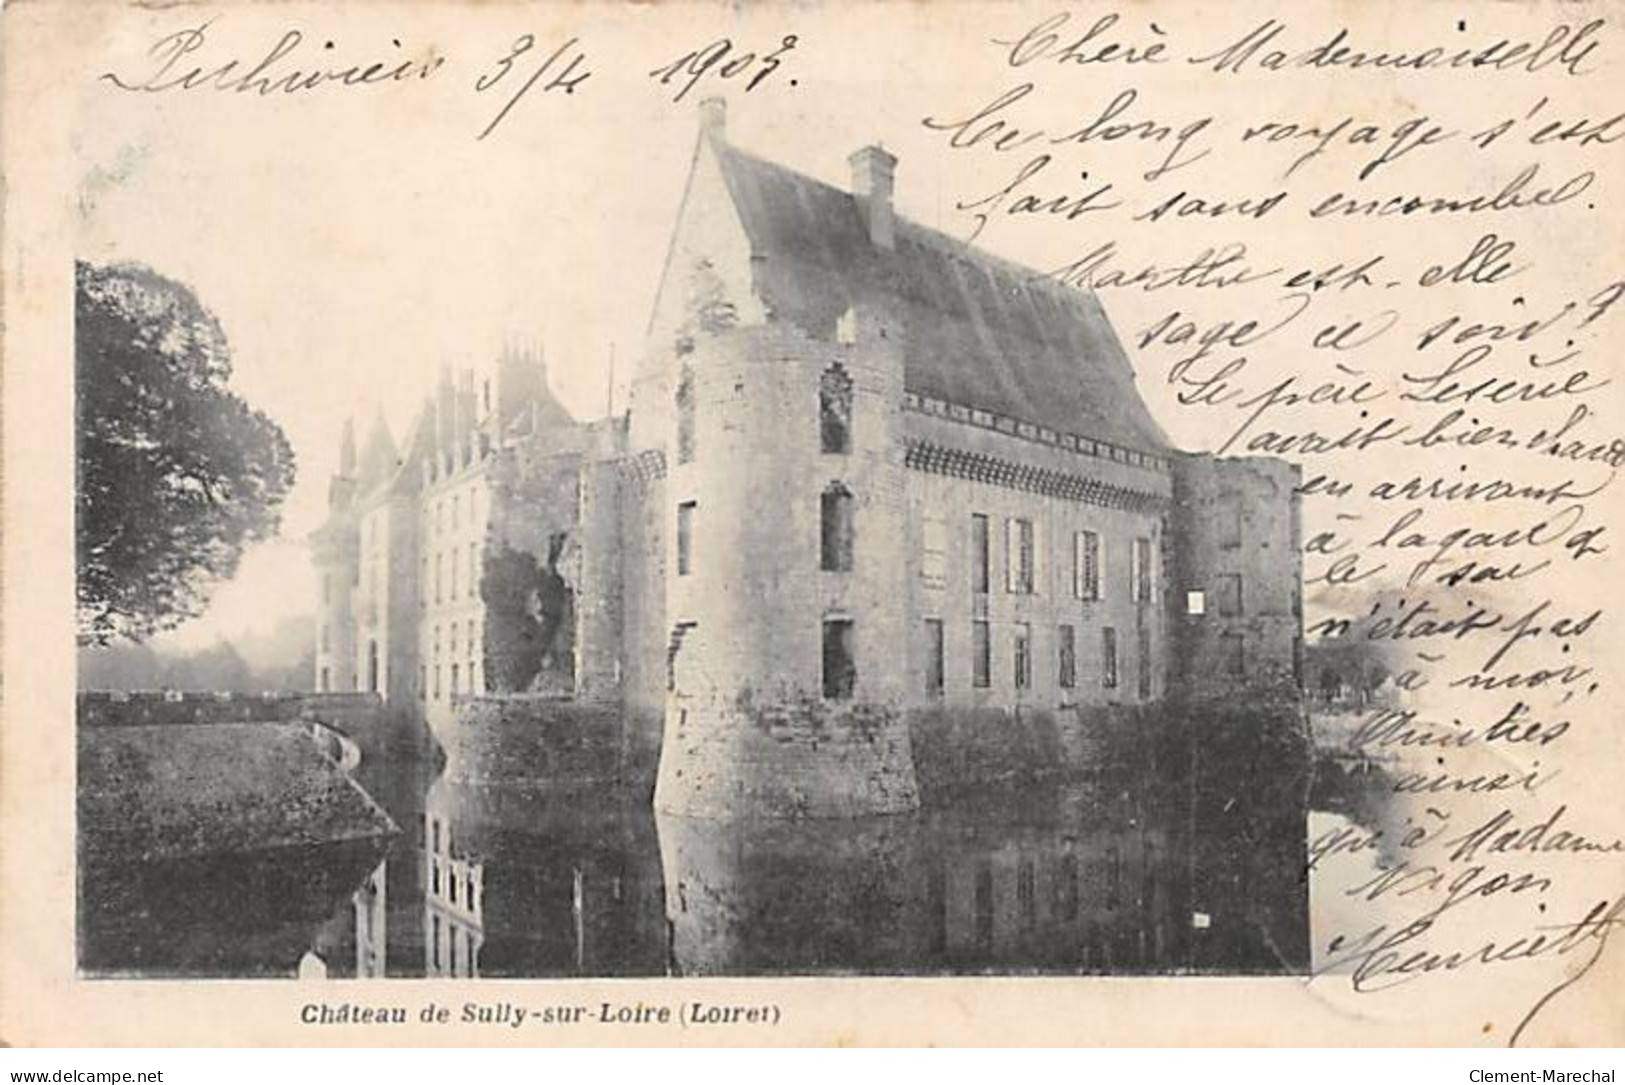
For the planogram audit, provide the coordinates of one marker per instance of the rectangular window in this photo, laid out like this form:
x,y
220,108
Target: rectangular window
x,y
835,513
438,563
840,663
685,537
423,681
978,553
473,577
1196,603
1023,653
326,684
1139,572
1143,663
453,592
1228,589
1108,657
456,685
933,656
1018,553
1067,665
1086,565
981,655
934,550
1228,522
1235,660
437,681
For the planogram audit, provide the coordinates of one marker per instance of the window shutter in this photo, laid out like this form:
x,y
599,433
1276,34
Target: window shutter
x,y
1136,552
1036,572
1012,553
1101,565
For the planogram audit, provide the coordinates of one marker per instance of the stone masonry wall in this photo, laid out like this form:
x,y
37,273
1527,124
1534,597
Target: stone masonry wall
x,y
1236,518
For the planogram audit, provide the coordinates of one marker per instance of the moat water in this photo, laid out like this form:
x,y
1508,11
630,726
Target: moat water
x,y
517,881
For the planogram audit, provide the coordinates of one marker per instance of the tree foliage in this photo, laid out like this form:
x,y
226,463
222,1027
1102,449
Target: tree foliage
x,y
176,473
527,620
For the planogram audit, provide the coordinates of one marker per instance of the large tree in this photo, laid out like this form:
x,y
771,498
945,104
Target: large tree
x,y
176,473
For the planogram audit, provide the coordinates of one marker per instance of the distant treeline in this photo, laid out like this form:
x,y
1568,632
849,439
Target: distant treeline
x,y
282,661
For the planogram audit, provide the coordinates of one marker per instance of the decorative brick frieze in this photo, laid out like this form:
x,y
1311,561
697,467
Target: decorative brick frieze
x,y
995,471
1012,427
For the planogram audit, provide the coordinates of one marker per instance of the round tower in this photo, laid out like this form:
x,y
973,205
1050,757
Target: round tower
x,y
783,575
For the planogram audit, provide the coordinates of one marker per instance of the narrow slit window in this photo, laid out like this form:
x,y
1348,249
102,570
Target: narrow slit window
x,y
1067,650
933,656
981,655
1143,663
1108,657
685,538
1022,651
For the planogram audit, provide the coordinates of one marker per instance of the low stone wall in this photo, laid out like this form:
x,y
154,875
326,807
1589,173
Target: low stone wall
x,y
806,759
523,738
379,733
144,709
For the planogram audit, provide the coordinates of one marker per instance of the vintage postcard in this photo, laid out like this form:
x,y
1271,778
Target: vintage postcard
x,y
813,523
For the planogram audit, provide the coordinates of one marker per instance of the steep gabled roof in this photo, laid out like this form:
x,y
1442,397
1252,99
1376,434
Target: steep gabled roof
x,y
979,331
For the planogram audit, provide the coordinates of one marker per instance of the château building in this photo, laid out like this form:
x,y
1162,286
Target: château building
x,y
872,484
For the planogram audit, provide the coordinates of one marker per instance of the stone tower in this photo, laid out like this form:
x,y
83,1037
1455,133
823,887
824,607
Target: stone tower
x,y
785,497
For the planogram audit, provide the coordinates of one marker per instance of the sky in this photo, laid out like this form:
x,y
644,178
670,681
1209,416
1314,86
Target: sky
x,y
352,243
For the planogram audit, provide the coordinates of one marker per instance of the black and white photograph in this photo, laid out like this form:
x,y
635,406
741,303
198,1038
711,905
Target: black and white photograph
x,y
990,494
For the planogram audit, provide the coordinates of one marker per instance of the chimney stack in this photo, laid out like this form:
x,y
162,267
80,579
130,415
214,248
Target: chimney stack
x,y
874,172
714,118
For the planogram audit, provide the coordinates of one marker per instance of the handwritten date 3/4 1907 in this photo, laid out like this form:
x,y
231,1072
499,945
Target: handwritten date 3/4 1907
x,y
187,59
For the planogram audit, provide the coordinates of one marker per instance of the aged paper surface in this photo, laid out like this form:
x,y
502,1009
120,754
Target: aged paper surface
x,y
812,524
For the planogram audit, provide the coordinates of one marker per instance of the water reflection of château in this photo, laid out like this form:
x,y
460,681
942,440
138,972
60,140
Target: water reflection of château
x,y
520,881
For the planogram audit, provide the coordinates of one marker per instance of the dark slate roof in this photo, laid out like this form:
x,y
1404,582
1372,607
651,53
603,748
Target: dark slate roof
x,y
171,790
980,332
